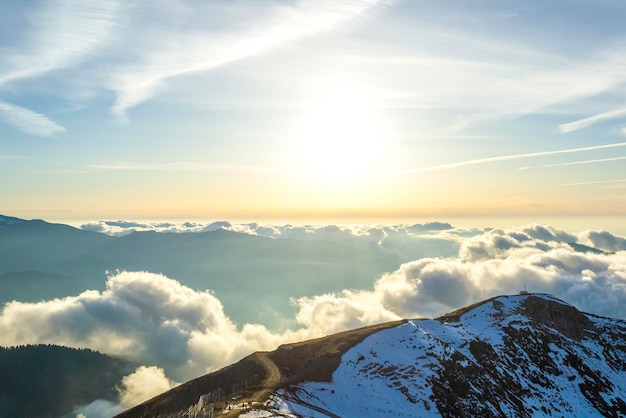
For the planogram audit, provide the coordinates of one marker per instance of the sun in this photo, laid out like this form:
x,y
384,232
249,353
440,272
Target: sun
x,y
340,136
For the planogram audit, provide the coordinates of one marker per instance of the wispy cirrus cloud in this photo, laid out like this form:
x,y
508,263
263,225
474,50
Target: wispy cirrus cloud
x,y
592,120
497,77
600,160
60,34
188,52
28,121
586,183
478,161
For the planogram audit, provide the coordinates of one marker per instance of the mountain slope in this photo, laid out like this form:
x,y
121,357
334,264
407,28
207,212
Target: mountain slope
x,y
29,252
523,355
260,374
50,381
37,245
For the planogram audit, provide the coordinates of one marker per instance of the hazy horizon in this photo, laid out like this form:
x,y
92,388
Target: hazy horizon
x,y
614,224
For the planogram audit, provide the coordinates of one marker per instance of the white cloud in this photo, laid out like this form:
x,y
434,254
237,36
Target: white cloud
x,y
176,54
145,317
145,383
592,120
121,228
493,76
60,34
374,233
602,240
325,314
498,243
28,121
496,262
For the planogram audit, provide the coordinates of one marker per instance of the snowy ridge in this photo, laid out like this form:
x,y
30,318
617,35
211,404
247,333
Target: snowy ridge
x,y
523,356
527,355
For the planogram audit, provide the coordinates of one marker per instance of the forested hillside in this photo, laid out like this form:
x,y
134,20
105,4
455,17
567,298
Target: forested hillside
x,y
50,381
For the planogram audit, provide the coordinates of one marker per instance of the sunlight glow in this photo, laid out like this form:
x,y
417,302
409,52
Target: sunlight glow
x,y
340,137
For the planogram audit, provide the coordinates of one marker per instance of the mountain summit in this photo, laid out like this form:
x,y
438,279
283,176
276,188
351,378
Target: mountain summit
x,y
9,220
525,355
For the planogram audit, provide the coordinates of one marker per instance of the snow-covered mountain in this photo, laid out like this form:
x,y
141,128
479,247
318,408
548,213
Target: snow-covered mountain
x,y
526,355
511,356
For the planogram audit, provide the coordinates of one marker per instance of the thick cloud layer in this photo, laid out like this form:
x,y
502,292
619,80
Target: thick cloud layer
x,y
142,316
157,321
498,243
121,228
323,232
603,240
404,241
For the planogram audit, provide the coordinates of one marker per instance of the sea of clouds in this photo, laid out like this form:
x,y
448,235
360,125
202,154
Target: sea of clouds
x,y
180,333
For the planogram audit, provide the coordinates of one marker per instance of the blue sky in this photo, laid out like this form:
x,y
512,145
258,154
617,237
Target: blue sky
x,y
288,110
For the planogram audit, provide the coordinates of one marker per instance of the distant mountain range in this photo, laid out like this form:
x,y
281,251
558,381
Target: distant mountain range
x,y
527,355
41,260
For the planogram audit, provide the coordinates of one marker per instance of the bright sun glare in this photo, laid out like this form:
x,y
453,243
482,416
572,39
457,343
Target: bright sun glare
x,y
340,136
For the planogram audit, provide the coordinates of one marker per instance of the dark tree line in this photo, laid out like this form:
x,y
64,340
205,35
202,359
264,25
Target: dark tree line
x,y
50,381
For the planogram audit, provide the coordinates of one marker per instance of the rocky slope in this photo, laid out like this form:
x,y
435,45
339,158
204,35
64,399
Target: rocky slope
x,y
525,355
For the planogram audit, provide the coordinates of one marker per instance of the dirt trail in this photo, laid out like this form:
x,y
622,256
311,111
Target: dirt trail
x,y
254,378
272,380
268,386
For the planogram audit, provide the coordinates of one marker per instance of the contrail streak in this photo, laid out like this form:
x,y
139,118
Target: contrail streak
x,y
479,161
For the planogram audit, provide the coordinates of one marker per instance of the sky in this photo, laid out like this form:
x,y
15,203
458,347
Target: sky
x,y
313,110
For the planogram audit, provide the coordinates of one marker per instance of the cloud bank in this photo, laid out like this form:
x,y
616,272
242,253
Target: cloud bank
x,y
320,232
405,241
603,240
156,320
183,333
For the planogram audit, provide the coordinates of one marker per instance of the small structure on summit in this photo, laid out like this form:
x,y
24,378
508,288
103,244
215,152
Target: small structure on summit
x,y
524,292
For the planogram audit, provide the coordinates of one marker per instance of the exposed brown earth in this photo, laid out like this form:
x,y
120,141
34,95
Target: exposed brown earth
x,y
255,377
316,360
